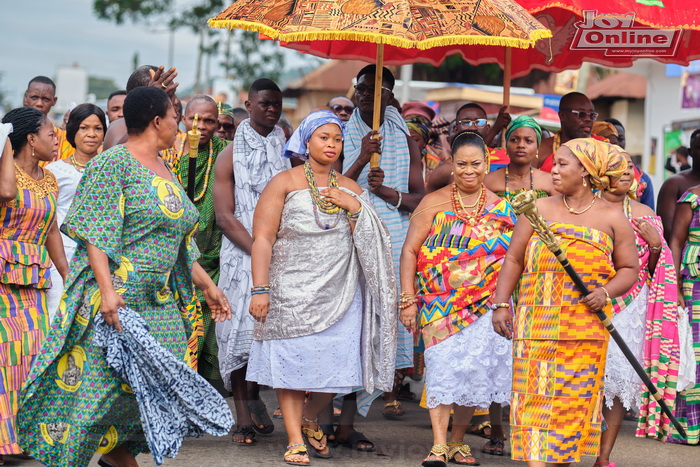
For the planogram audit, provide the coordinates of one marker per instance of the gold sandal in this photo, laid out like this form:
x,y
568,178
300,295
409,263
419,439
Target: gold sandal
x,y
464,450
293,450
438,450
393,410
318,436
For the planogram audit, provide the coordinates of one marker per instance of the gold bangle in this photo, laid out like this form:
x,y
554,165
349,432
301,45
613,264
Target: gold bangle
x,y
501,305
608,300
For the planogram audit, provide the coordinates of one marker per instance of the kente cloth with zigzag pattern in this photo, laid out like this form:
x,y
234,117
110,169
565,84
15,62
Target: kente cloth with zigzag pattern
x,y
688,401
661,344
457,268
559,350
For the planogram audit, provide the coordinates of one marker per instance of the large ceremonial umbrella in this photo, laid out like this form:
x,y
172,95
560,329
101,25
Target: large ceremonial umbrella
x,y
381,31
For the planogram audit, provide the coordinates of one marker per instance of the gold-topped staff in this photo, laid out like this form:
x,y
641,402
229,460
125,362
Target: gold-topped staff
x,y
525,203
193,135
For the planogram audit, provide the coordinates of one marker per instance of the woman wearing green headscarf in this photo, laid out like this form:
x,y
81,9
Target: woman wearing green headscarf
x,y
523,138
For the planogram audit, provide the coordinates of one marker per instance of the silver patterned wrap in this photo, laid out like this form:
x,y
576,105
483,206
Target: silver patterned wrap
x,y
313,276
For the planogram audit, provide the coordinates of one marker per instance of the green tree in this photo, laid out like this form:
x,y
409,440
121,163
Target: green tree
x,y
101,87
245,57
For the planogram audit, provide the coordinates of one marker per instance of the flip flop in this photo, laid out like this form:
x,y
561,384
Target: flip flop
x,y
355,439
258,409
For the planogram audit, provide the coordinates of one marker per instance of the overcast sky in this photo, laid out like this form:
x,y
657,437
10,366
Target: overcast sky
x,y
39,35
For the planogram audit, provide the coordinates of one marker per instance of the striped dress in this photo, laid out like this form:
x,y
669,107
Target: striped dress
x,y
24,269
395,162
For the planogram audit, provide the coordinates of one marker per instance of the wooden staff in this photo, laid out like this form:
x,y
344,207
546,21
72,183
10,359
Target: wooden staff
x,y
524,203
374,158
193,136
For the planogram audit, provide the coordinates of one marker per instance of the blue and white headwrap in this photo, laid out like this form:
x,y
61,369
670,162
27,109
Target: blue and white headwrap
x,y
296,146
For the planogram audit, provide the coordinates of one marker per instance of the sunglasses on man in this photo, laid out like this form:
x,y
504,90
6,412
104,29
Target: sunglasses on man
x,y
582,115
362,89
347,108
467,123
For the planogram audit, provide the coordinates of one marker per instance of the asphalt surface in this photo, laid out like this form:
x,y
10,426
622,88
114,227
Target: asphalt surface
x,y
399,443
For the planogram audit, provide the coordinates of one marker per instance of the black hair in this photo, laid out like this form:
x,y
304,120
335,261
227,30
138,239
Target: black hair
x,y
614,122
387,75
201,98
43,80
328,104
140,77
142,105
471,105
80,113
564,102
263,84
240,112
682,150
694,135
121,92
468,138
25,121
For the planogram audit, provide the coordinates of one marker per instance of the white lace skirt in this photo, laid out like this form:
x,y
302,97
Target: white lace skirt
x,y
621,380
470,368
328,361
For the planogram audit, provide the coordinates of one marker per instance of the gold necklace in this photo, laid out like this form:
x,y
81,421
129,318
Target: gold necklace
x,y
78,166
468,206
572,211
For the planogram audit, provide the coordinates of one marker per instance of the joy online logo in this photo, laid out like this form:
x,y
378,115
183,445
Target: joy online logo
x,y
618,36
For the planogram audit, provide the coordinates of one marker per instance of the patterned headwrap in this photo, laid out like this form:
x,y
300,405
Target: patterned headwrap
x,y
224,109
296,146
598,160
525,120
604,129
417,125
614,151
441,126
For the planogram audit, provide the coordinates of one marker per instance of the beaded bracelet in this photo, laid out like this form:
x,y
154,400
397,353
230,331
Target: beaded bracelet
x,y
260,288
258,292
407,304
353,216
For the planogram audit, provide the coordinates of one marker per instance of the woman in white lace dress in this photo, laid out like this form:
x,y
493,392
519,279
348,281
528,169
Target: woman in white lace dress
x,y
85,131
456,243
635,318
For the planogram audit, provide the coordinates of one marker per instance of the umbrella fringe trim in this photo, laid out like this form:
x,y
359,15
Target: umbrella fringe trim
x,y
380,38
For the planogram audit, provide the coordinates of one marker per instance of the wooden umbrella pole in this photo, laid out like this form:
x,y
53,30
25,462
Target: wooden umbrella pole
x,y
374,160
506,86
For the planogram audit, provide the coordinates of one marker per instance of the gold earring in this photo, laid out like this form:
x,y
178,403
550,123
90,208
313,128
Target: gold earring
x,y
32,151
584,181
537,155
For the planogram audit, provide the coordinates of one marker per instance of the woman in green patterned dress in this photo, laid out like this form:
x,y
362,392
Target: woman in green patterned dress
x,y
523,138
134,226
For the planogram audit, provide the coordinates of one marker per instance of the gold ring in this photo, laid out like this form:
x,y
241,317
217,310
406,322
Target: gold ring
x,y
164,85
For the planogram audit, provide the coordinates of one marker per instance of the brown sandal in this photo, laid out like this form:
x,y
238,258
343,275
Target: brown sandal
x,y
393,410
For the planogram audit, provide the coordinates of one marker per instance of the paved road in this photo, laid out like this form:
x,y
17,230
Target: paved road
x,y
399,443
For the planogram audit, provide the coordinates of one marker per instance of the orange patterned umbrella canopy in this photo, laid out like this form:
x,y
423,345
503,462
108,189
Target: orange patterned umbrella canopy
x,y
406,24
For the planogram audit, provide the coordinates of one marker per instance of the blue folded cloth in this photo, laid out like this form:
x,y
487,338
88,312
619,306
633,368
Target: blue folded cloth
x,y
175,402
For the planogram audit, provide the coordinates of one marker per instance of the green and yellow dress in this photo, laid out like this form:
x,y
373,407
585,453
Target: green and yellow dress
x,y
73,403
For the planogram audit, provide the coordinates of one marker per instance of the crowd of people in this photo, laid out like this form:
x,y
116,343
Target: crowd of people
x,y
296,263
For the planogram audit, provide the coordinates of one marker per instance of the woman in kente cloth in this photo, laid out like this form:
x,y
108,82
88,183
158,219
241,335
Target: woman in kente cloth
x,y
323,295
134,227
647,319
455,247
523,138
685,244
560,345
29,242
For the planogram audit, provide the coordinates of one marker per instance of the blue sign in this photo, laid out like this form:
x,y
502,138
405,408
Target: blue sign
x,y
674,71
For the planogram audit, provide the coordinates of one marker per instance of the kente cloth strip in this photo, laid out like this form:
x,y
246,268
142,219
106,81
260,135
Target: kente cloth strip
x,y
209,244
559,350
74,403
688,401
661,343
174,401
24,279
457,268
396,164
256,159
299,288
